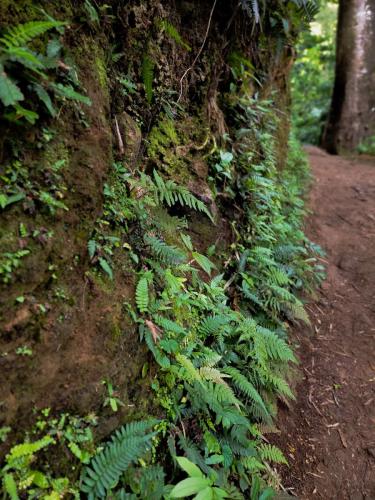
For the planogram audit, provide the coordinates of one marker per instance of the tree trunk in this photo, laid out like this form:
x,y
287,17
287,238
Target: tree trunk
x,y
352,114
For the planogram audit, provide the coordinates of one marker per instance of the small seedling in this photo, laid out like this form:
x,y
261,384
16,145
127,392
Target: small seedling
x,y
24,351
112,400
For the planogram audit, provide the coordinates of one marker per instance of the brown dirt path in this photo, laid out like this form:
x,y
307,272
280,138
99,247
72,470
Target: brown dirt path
x,y
328,435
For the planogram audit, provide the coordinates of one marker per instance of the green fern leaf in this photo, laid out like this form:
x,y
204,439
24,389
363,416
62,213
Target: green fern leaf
x,y
141,295
27,449
272,453
69,93
173,33
169,325
247,388
24,33
168,254
45,98
127,445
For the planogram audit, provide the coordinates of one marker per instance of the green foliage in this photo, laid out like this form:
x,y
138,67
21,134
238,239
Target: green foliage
x,y
24,72
291,16
141,294
367,146
168,254
9,262
172,31
170,193
127,445
313,75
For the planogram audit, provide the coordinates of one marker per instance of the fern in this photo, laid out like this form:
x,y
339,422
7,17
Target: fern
x,y
20,64
169,325
166,253
173,33
170,193
148,77
142,295
127,445
246,387
27,449
276,347
212,324
24,33
272,453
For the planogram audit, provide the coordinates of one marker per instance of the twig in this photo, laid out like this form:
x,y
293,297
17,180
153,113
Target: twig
x,y
317,409
119,138
198,54
334,397
343,440
315,475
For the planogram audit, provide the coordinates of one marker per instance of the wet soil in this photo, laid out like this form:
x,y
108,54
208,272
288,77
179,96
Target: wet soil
x,y
328,434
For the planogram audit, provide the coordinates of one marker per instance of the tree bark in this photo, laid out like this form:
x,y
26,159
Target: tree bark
x,y
352,114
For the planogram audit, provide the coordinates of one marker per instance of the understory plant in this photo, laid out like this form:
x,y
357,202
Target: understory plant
x,y
219,336
26,74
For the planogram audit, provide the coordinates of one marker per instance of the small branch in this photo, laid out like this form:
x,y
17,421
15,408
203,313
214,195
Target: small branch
x,y
198,54
119,138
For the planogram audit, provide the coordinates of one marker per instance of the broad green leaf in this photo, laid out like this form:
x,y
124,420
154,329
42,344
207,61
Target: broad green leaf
x,y
91,247
191,469
206,494
189,486
204,263
3,200
106,267
45,98
219,493
14,198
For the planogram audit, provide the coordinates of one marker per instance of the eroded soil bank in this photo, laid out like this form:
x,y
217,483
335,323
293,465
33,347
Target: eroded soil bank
x,y
328,435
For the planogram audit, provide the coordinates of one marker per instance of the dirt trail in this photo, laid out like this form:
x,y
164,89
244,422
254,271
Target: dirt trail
x,y
328,435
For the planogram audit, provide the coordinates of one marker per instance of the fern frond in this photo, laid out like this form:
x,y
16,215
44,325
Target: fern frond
x,y
169,254
272,453
27,449
213,324
170,193
128,445
172,31
169,325
191,373
246,387
213,374
23,33
276,347
141,294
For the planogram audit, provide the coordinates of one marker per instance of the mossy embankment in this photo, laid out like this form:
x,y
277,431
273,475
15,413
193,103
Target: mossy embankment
x,y
66,303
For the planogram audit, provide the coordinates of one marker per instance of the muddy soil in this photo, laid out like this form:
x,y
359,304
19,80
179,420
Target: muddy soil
x,y
328,434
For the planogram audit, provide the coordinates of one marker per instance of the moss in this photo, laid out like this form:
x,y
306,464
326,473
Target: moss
x,y
54,151
101,69
169,147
